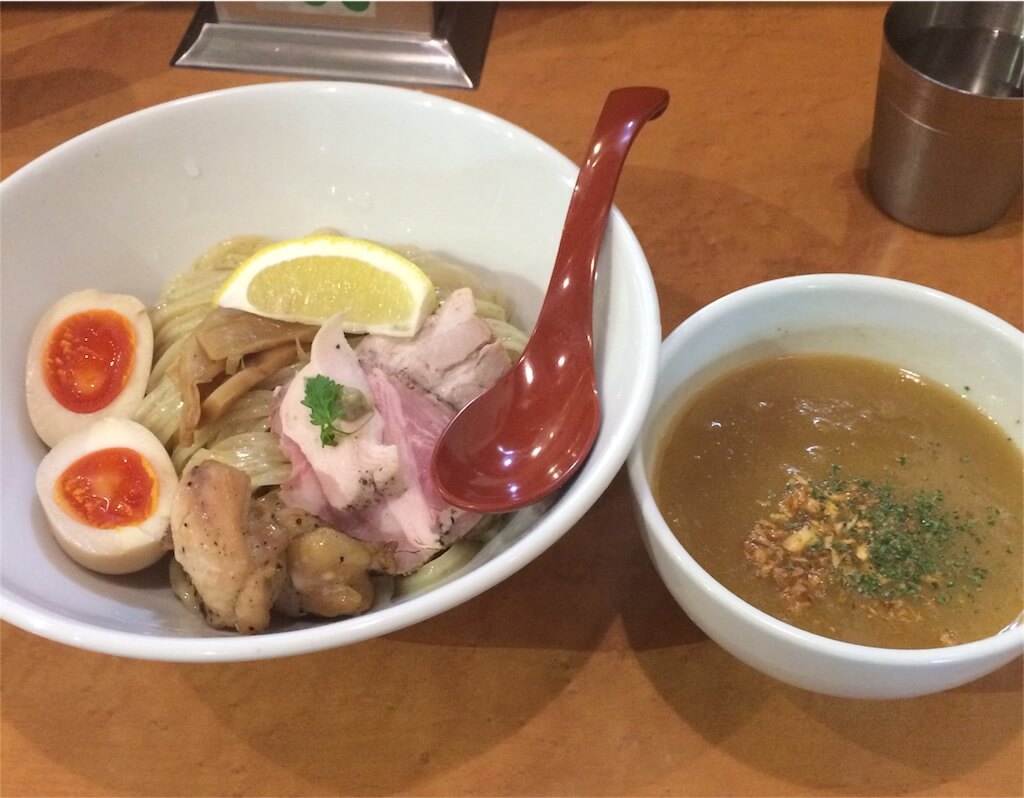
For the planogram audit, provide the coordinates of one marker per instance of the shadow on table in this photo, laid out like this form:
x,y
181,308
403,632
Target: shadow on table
x,y
367,719
723,239
569,596
36,97
44,91
889,747
403,714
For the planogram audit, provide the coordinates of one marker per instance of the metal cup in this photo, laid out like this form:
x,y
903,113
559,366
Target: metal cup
x,y
947,147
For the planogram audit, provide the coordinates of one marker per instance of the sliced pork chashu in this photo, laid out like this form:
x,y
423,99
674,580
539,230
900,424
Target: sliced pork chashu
x,y
375,484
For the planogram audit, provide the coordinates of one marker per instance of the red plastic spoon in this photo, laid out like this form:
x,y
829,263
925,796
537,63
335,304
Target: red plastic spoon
x,y
523,438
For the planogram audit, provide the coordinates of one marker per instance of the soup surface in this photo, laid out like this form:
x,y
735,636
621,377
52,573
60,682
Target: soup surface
x,y
850,498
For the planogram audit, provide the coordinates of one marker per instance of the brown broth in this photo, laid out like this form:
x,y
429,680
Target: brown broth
x,y
729,454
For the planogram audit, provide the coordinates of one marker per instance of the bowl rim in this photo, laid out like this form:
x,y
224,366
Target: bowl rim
x,y
1002,643
311,87
572,503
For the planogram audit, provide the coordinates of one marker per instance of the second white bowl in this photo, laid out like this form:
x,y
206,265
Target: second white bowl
x,y
944,338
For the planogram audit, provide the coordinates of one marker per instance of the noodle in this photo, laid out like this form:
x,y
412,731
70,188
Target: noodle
x,y
444,565
255,453
230,253
160,410
448,276
251,413
511,337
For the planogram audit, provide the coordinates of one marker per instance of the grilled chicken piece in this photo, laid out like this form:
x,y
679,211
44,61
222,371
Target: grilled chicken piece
x,y
329,574
237,568
241,557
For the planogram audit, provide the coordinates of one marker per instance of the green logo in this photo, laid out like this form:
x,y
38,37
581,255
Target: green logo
x,y
353,5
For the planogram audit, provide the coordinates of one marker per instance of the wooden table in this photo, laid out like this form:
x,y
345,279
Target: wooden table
x,y
578,676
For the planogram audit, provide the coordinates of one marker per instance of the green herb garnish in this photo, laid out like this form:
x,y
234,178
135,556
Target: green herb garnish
x,y
909,540
330,402
869,538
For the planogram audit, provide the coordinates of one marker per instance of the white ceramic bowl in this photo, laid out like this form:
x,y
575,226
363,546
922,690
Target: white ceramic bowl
x,y
125,206
932,333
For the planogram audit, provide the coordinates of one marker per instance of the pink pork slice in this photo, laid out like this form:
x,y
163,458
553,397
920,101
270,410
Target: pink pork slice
x,y
386,493
361,468
454,356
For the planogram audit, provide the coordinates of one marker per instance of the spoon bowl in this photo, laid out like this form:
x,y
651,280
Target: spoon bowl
x,y
523,438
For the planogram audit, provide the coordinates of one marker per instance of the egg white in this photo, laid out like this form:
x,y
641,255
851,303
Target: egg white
x,y
51,420
109,551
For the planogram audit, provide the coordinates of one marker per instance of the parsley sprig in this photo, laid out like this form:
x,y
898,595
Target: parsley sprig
x,y
913,541
330,402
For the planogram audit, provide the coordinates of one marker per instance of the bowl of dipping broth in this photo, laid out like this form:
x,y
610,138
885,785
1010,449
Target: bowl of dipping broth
x,y
169,239
829,483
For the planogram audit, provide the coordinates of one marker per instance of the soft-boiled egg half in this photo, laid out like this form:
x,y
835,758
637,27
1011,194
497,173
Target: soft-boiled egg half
x,y
107,491
89,358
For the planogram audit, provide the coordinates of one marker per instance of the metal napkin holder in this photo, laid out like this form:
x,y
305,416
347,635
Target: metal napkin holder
x,y
418,44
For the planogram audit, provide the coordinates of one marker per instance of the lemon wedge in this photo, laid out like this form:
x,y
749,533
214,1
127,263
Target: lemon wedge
x,y
310,280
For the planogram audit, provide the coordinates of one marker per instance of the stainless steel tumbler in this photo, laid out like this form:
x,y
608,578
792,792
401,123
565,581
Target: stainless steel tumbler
x,y
947,145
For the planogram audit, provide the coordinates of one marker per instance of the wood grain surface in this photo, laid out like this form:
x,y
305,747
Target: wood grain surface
x,y
579,675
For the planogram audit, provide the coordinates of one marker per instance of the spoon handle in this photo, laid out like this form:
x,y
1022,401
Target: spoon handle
x,y
516,442
570,295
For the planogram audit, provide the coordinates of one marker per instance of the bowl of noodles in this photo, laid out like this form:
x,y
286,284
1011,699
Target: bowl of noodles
x,y
159,209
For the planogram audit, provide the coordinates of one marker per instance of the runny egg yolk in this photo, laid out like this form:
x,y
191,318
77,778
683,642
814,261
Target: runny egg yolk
x,y
109,488
88,359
